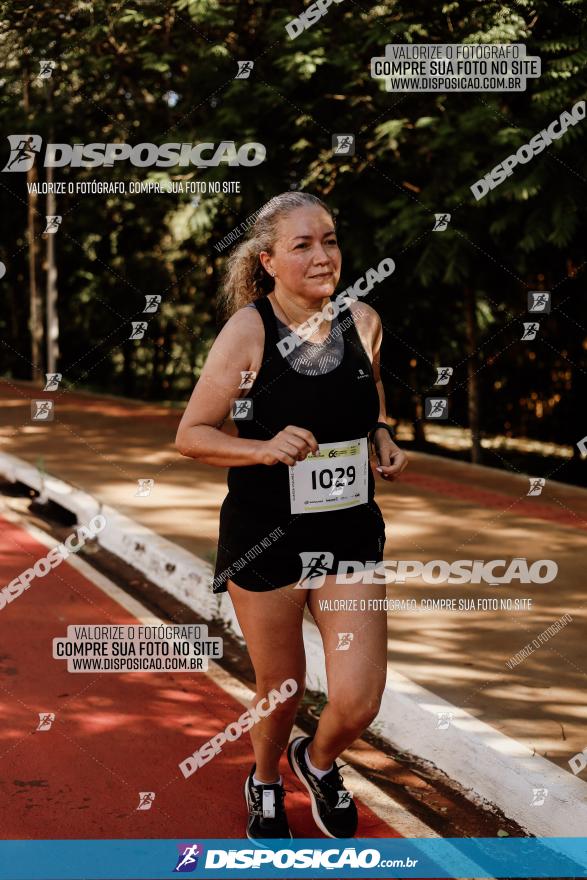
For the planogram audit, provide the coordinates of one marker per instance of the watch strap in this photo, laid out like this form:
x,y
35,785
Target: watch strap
x,y
387,427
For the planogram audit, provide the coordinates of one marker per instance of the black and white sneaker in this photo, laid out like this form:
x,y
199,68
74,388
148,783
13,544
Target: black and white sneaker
x,y
333,808
267,817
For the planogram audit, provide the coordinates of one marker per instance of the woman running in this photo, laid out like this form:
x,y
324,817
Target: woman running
x,y
301,495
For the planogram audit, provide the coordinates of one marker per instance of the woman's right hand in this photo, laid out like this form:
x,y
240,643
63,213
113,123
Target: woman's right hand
x,y
291,445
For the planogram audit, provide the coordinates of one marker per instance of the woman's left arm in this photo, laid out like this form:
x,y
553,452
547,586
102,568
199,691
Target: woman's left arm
x,y
391,459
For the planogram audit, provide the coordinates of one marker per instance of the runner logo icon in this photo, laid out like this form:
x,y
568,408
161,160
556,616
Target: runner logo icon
x,y
444,374
244,69
23,150
531,328
242,409
138,329
537,484
146,799
42,410
436,408
344,641
538,797
46,719
343,144
189,853
53,380
247,378
315,568
46,69
344,799
53,222
152,303
441,222
539,301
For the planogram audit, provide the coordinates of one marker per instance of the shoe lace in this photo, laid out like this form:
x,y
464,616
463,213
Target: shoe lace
x,y
329,789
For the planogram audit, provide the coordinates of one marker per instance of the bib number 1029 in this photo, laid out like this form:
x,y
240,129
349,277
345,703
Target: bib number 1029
x,y
328,477
334,479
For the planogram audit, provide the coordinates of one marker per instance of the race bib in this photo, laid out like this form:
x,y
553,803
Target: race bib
x,y
332,479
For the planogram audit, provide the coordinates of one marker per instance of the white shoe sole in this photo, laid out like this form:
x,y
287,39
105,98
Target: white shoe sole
x,y
301,777
256,839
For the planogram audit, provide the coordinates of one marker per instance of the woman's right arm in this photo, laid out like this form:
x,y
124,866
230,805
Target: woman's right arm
x,y
199,434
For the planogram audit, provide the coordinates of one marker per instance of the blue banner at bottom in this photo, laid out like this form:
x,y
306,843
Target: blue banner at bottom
x,y
303,857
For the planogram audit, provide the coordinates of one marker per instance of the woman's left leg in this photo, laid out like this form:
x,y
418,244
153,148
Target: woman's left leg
x,y
356,676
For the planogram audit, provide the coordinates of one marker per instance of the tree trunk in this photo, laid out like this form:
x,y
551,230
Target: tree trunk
x,y
52,314
417,413
157,342
35,301
128,376
473,374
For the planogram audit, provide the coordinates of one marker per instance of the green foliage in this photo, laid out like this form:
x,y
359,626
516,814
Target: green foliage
x,y
416,155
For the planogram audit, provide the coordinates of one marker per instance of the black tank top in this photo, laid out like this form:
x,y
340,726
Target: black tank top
x,y
342,404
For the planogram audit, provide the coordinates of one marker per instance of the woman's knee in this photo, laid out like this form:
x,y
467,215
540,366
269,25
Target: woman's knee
x,y
357,710
285,691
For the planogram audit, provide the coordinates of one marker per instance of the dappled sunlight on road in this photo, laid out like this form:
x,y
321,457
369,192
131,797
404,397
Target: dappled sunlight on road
x,y
452,437
439,510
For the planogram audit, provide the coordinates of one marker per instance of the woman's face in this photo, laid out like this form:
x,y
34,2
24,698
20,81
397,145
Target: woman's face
x,y
306,259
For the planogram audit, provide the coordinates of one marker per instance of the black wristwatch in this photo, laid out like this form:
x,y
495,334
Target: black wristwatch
x,y
388,428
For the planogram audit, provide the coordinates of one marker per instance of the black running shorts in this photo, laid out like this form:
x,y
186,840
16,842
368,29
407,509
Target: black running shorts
x,y
260,551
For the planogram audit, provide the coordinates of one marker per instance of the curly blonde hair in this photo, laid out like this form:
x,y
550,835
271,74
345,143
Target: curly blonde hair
x,y
245,279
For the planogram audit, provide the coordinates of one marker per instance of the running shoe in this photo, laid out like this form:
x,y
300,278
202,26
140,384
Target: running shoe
x,y
333,808
267,816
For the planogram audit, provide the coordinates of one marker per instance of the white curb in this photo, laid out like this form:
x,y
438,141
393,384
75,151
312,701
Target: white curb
x,y
488,764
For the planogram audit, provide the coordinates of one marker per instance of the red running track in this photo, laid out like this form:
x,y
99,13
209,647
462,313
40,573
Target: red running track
x,y
115,734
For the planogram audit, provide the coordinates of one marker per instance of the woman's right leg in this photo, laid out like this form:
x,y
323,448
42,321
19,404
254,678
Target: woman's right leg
x,y
272,626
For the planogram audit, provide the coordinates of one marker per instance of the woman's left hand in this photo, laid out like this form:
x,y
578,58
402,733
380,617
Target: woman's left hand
x,y
391,459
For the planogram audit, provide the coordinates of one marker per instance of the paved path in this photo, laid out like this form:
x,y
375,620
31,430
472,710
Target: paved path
x,y
440,509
